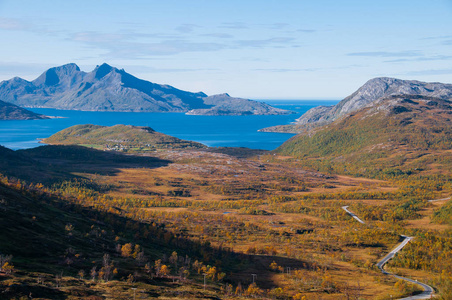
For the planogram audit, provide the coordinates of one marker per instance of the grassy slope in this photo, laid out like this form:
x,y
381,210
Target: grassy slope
x,y
119,136
398,136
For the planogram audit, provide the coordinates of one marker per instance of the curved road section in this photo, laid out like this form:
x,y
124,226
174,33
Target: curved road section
x,y
428,290
353,215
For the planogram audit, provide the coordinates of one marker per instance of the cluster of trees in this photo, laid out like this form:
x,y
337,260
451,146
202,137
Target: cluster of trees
x,y
105,273
173,266
429,251
367,237
5,264
391,212
444,284
259,189
263,250
310,279
443,215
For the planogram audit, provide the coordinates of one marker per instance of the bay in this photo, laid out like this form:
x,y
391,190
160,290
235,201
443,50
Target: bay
x,y
213,131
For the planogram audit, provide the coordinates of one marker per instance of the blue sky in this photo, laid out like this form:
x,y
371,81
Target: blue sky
x,y
263,49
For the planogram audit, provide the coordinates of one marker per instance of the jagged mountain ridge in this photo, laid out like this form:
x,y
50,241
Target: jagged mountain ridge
x,y
370,94
107,88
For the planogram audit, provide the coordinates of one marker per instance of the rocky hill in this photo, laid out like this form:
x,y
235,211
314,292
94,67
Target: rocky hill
x,y
223,104
400,133
370,94
119,137
10,111
109,89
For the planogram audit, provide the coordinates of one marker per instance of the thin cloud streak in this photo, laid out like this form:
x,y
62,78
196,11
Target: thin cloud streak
x,y
146,69
279,25
386,54
306,30
187,28
282,70
136,45
430,72
432,58
234,25
265,42
437,37
13,24
218,35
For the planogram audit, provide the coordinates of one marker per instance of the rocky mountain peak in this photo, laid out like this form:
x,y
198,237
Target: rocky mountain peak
x,y
371,93
103,70
53,76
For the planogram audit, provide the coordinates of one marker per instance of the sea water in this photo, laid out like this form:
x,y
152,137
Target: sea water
x,y
213,131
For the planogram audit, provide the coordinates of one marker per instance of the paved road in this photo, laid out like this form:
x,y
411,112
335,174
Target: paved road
x,y
391,254
426,294
428,290
439,199
352,214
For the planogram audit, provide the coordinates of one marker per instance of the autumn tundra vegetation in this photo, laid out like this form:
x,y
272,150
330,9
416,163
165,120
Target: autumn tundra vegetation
x,y
214,223
138,221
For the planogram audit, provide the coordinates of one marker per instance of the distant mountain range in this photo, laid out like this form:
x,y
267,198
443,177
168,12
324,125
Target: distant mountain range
x,y
109,89
370,94
10,111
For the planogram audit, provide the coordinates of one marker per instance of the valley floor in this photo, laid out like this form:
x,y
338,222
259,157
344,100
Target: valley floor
x,y
242,216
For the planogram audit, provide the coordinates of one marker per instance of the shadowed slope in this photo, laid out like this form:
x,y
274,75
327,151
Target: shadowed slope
x,y
10,111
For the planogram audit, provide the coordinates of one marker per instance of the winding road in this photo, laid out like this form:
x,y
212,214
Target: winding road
x,y
428,290
353,215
